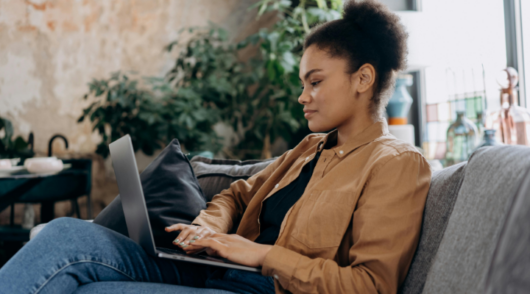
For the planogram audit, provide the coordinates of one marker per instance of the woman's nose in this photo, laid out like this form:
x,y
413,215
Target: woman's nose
x,y
304,98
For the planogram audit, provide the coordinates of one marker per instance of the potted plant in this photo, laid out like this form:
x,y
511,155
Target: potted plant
x,y
9,148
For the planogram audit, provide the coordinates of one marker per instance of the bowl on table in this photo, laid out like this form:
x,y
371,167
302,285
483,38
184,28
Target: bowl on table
x,y
5,164
43,165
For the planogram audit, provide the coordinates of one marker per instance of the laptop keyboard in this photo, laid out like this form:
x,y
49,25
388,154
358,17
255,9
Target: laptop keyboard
x,y
171,251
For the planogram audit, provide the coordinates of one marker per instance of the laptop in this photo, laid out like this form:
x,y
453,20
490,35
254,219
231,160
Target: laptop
x,y
135,210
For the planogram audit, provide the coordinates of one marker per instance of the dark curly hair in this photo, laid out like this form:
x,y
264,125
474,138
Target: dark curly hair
x,y
367,33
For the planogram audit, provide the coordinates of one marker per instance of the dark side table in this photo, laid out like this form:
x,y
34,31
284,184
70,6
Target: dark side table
x,y
46,189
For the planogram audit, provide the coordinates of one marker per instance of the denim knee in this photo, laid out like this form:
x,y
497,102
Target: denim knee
x,y
63,225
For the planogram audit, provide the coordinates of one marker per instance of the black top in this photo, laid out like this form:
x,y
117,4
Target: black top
x,y
276,206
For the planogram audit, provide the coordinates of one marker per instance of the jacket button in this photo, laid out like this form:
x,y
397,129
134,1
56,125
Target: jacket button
x,y
276,277
276,186
341,152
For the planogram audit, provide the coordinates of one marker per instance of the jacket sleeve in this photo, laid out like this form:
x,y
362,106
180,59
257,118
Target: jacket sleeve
x,y
228,205
385,231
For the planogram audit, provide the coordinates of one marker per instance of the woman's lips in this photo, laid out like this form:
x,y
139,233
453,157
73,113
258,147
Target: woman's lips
x,y
308,113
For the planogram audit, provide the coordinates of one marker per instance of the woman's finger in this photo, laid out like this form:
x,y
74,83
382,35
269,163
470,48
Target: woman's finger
x,y
176,227
182,237
190,234
207,242
197,234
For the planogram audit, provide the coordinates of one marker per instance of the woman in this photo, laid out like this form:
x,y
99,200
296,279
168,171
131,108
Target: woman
x,y
339,213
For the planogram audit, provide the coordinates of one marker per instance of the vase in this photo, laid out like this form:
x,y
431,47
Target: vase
x,y
480,124
511,121
461,140
400,102
489,139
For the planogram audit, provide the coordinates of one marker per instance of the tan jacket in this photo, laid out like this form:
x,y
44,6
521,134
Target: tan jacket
x,y
355,228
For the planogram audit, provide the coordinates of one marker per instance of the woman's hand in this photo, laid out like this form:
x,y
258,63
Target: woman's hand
x,y
188,235
234,248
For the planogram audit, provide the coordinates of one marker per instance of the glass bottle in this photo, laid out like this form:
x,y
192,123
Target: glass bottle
x,y
512,121
480,124
461,139
489,139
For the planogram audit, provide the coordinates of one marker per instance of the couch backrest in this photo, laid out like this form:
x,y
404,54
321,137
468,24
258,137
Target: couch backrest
x,y
509,271
445,185
215,175
491,179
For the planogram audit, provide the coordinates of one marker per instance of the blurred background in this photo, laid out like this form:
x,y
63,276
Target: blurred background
x,y
222,77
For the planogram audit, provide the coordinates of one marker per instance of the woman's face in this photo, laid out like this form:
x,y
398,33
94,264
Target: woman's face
x,y
331,97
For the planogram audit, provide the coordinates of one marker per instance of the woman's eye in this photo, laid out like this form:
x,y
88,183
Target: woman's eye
x,y
313,84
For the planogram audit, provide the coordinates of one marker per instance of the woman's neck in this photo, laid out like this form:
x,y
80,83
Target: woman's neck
x,y
349,130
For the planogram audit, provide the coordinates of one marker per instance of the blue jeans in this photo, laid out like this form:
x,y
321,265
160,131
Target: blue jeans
x,y
69,255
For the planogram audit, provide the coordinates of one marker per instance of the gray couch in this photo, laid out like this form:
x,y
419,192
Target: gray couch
x,y
475,236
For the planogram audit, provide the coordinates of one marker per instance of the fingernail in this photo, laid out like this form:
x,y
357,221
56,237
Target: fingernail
x,y
177,240
192,241
196,237
182,244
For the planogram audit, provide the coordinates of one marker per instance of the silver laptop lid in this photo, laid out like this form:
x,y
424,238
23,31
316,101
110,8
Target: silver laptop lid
x,y
132,195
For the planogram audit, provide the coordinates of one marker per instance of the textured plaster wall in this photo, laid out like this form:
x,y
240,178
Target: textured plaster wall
x,y
50,50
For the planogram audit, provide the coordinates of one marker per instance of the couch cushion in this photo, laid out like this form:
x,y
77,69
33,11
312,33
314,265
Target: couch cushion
x,y
215,175
172,195
509,271
492,176
444,188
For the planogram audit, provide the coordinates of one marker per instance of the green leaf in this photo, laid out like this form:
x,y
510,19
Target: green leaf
x,y
263,7
322,4
170,46
8,128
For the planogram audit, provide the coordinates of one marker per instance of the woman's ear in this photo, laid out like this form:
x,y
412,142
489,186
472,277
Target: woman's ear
x,y
366,76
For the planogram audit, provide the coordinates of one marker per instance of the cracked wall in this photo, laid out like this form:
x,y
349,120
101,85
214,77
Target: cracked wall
x,y
50,50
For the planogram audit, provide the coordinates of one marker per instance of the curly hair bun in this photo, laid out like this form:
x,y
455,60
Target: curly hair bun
x,y
368,33
382,27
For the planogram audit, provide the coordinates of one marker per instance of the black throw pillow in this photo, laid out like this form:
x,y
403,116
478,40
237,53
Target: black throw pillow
x,y
172,195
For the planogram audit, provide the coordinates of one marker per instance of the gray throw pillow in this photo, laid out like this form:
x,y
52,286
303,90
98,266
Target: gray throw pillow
x,y
171,192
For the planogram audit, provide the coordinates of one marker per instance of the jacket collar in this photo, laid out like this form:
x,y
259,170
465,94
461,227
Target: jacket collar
x,y
368,135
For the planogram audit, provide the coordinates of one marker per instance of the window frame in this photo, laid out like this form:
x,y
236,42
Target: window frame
x,y
514,45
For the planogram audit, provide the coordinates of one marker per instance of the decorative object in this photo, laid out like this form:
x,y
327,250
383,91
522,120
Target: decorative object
x,y
489,139
400,102
512,121
480,124
403,132
5,164
466,91
43,165
461,140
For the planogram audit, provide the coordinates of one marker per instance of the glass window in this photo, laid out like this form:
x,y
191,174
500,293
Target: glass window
x,y
462,52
